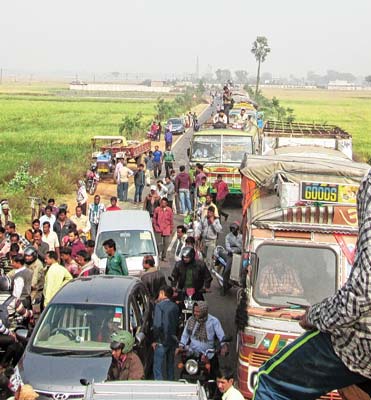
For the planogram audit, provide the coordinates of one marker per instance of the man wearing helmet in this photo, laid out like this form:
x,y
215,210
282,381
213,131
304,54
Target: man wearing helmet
x,y
38,273
191,275
125,365
233,241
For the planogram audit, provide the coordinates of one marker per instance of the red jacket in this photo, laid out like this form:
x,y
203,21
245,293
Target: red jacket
x,y
163,221
221,190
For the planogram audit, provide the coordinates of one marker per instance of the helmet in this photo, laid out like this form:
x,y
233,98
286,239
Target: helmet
x,y
188,251
5,284
123,340
234,227
30,251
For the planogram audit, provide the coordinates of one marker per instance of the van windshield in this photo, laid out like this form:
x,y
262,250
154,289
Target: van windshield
x,y
78,327
298,274
128,243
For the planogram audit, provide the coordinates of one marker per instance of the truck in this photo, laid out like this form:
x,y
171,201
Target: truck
x,y
220,151
299,234
107,149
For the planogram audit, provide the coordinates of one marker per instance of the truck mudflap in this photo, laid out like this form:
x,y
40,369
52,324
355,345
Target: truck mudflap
x,y
251,358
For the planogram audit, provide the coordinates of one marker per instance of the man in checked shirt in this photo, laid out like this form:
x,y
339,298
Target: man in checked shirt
x,y
335,352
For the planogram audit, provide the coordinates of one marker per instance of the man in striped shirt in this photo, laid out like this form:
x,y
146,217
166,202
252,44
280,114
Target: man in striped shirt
x,y
336,350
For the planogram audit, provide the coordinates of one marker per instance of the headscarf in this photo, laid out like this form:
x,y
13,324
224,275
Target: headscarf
x,y
200,323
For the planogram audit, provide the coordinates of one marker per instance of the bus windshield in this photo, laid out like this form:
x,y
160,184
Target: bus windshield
x,y
298,274
216,149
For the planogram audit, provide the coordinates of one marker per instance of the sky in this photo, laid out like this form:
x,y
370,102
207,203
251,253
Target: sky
x,y
166,36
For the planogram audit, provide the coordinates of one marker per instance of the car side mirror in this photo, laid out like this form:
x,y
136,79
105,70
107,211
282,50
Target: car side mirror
x,y
139,337
188,152
84,382
250,266
22,334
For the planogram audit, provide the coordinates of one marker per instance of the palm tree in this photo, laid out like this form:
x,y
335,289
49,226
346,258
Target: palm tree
x,y
260,49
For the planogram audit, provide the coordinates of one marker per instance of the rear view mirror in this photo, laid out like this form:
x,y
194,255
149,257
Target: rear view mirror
x,y
22,334
139,337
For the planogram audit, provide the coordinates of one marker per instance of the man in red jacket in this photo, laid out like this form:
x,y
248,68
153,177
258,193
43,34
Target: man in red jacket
x,y
163,224
221,194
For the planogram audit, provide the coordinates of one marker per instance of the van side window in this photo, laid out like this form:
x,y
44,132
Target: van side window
x,y
134,317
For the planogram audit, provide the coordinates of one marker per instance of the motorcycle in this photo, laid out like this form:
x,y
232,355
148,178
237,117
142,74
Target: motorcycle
x,y
92,182
196,367
152,135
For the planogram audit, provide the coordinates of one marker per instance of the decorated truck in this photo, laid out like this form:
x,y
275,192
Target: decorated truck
x,y
300,230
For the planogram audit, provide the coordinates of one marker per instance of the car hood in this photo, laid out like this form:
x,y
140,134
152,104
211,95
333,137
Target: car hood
x,y
134,264
62,373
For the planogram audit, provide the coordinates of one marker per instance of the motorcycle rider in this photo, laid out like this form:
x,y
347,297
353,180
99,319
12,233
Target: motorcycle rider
x,y
125,364
8,309
200,333
22,281
191,275
38,273
233,241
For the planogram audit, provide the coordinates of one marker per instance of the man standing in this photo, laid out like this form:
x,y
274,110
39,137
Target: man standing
x,y
169,158
165,324
95,211
62,225
170,190
82,223
182,188
68,262
163,223
75,243
56,276
227,101
157,162
87,267
224,382
22,281
152,277
113,206
221,194
335,351
50,238
139,182
122,175
116,264
168,138
181,236
38,273
48,216
40,246
207,231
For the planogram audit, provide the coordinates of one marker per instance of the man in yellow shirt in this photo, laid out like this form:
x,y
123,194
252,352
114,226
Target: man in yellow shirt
x,y
56,277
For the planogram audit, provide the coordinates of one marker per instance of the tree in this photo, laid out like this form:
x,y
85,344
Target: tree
x,y
130,125
260,49
368,79
223,75
163,109
241,76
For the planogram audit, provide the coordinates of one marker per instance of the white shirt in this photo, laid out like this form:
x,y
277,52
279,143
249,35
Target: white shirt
x,y
51,220
232,394
51,239
18,284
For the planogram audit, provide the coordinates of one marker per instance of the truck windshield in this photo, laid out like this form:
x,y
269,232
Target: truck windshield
x,y
235,147
206,148
78,327
298,274
129,243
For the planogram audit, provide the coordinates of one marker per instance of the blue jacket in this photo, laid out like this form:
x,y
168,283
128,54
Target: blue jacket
x,y
165,323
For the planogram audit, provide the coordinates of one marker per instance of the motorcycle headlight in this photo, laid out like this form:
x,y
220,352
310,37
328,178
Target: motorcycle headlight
x,y
191,366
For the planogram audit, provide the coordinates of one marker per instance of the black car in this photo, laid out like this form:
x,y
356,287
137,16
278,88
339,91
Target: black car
x,y
176,126
71,339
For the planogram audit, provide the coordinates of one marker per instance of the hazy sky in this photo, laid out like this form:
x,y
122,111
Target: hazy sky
x,y
167,35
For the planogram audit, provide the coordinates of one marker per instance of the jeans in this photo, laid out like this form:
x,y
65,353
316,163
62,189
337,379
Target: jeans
x,y
122,191
168,167
185,201
138,193
157,168
93,230
164,241
305,369
209,247
163,354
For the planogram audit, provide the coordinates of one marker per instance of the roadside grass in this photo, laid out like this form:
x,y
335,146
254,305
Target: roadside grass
x,y
350,110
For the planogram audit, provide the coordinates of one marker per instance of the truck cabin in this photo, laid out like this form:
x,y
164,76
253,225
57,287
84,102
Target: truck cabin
x,y
278,134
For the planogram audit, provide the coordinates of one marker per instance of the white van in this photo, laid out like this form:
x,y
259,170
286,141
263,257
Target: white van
x,y
133,234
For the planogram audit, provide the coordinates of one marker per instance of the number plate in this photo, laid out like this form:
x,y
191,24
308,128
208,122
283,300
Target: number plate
x,y
328,192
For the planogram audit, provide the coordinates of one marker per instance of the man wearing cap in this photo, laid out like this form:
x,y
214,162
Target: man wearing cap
x,y
5,213
125,364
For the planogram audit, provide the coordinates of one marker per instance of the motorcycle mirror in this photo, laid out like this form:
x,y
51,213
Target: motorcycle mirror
x,y
84,382
227,339
22,333
139,337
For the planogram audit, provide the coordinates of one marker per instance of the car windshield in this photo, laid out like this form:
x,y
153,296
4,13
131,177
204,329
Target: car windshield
x,y
78,327
235,147
206,148
174,121
129,243
298,274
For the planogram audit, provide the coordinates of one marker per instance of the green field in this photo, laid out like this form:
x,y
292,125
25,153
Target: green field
x,y
52,134
350,110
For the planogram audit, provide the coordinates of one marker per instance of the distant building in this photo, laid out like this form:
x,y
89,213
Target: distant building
x,y
112,87
341,85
